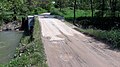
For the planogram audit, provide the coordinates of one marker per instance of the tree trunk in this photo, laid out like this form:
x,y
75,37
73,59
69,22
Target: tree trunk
x,y
60,5
103,6
74,12
91,1
114,7
14,10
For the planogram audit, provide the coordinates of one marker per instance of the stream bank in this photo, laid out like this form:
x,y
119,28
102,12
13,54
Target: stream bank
x,y
11,26
32,53
10,37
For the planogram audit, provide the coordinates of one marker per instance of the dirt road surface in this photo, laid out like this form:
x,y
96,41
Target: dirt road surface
x,y
66,47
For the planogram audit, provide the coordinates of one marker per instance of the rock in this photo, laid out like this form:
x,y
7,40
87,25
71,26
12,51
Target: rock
x,y
11,26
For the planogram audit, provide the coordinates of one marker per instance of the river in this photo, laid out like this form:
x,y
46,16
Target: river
x,y
9,40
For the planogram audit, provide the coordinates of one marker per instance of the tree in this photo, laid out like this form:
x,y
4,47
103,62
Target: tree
x,y
74,12
113,7
103,7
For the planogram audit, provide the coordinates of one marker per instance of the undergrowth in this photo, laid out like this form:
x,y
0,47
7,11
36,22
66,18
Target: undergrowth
x,y
112,36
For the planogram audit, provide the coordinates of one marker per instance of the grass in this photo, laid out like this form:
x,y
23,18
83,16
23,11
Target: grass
x,y
29,54
79,13
112,36
69,13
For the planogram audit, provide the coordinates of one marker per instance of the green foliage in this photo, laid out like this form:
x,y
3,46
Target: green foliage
x,y
56,12
68,13
38,10
111,36
21,8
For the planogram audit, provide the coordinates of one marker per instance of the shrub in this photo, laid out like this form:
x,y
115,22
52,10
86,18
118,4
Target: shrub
x,y
56,12
112,36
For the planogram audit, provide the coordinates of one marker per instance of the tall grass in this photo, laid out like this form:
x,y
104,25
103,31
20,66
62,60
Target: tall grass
x,y
112,36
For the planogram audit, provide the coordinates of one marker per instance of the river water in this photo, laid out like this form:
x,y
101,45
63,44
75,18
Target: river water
x,y
9,40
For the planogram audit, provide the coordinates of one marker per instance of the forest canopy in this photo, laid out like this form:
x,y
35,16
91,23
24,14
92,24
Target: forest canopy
x,y
15,9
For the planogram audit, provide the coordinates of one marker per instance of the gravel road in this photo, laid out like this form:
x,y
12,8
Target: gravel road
x,y
66,47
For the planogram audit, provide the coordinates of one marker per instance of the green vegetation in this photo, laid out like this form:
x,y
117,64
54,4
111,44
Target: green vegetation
x,y
68,13
104,7
14,10
97,17
29,54
112,36
98,12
